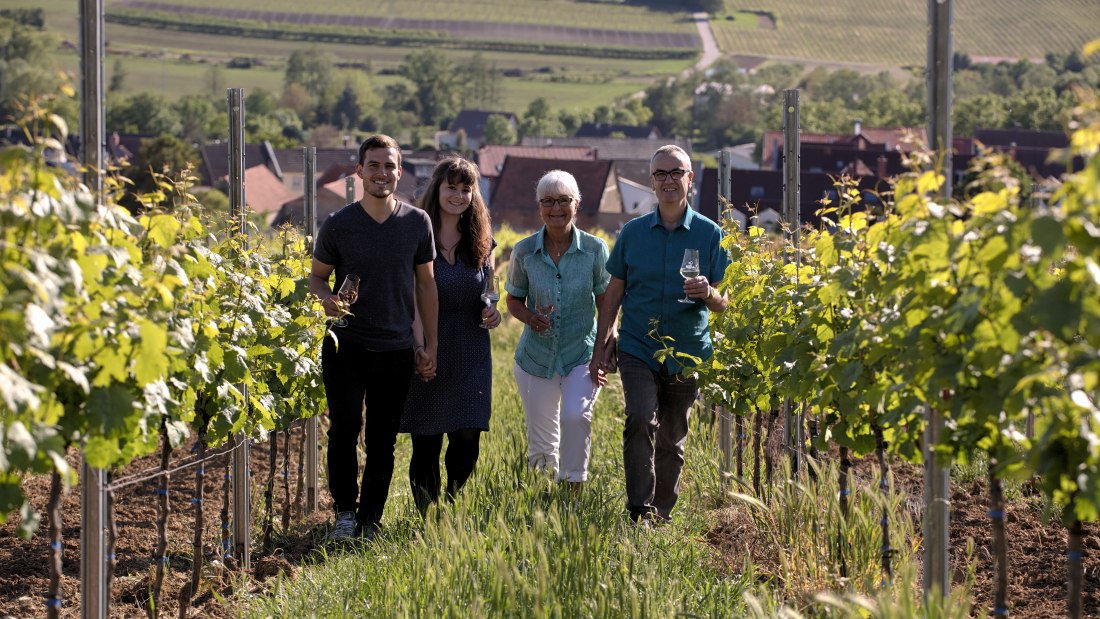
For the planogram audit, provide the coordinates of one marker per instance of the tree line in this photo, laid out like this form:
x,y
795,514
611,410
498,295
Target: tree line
x,y
322,100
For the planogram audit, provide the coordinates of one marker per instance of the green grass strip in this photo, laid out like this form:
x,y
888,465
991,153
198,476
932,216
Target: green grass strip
x,y
359,36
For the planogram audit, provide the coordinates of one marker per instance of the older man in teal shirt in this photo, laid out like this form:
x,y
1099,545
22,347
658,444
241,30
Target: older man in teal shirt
x,y
646,283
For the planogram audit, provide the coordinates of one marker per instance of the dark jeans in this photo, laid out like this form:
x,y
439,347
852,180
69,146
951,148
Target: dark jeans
x,y
657,406
353,376
463,447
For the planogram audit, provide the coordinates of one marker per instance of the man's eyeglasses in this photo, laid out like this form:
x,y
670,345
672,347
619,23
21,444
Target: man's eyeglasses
x,y
662,175
563,201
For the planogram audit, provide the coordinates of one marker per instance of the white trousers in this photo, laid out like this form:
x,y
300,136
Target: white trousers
x,y
559,421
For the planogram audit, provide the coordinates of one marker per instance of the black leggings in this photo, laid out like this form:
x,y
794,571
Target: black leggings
x,y
462,453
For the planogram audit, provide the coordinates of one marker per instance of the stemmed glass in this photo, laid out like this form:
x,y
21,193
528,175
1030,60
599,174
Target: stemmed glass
x,y
689,268
348,293
491,295
544,306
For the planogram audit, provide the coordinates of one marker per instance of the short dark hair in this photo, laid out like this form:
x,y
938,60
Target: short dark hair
x,y
379,141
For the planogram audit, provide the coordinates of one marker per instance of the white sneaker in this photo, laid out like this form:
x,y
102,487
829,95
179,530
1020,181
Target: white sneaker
x,y
343,528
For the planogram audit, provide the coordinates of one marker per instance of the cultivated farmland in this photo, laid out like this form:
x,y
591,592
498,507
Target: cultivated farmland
x,y
892,32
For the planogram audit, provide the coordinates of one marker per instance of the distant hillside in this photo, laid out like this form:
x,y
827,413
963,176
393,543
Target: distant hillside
x,y
892,32
872,32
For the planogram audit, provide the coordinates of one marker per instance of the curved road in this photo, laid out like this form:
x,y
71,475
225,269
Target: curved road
x,y
710,50
710,47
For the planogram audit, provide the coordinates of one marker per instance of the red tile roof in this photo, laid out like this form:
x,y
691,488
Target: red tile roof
x,y
490,158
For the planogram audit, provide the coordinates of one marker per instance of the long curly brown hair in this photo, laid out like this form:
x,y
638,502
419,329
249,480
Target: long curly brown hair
x,y
474,224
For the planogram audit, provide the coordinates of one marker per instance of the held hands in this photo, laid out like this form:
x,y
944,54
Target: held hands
x,y
604,361
425,363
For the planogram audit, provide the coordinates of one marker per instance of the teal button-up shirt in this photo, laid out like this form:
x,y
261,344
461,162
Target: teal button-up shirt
x,y
647,258
573,283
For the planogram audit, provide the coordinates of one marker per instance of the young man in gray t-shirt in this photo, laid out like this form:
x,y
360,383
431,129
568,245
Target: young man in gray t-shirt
x,y
388,244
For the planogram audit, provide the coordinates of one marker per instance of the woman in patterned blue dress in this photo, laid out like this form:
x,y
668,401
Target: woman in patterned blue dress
x,y
454,397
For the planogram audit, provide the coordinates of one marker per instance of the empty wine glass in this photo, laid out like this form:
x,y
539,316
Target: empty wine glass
x,y
544,306
491,294
689,268
346,296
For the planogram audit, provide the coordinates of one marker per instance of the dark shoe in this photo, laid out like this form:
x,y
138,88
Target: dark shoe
x,y
368,532
343,529
649,520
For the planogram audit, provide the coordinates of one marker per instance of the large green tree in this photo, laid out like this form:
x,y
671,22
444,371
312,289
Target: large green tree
x,y
479,83
144,112
667,101
27,68
434,85
165,154
311,68
499,131
200,118
539,121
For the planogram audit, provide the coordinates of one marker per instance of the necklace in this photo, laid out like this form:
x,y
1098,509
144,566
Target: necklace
x,y
448,249
554,250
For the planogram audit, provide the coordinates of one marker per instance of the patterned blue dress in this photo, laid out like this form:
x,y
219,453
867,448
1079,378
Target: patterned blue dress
x,y
460,395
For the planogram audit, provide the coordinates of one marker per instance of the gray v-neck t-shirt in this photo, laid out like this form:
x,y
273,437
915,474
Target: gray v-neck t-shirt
x,y
384,256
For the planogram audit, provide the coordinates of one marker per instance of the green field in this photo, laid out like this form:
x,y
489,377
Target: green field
x,y
893,32
177,63
544,12
886,34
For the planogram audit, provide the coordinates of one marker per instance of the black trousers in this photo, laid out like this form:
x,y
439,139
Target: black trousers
x,y
355,376
463,447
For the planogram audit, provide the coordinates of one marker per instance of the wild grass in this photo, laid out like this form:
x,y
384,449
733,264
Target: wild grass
x,y
517,545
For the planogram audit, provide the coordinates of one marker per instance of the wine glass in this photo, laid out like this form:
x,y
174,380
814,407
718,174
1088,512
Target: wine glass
x,y
491,295
544,306
346,296
689,268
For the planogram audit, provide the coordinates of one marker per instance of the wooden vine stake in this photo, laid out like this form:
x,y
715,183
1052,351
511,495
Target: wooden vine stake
x,y
299,492
269,492
227,538
53,598
163,509
884,488
1075,574
757,430
112,543
286,480
188,590
1000,542
740,421
845,472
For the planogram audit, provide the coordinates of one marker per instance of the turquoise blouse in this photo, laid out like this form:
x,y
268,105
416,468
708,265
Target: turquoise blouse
x,y
574,282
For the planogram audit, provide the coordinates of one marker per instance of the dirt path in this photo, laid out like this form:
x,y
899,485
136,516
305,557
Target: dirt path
x,y
710,47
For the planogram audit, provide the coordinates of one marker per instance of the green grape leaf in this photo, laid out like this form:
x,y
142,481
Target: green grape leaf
x,y
20,445
1048,234
112,366
108,409
101,452
163,230
152,358
994,253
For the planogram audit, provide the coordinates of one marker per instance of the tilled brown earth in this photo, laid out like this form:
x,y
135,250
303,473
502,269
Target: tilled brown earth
x,y
24,565
1036,546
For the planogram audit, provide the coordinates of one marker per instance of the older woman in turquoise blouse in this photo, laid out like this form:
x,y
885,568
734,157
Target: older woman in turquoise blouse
x,y
555,286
